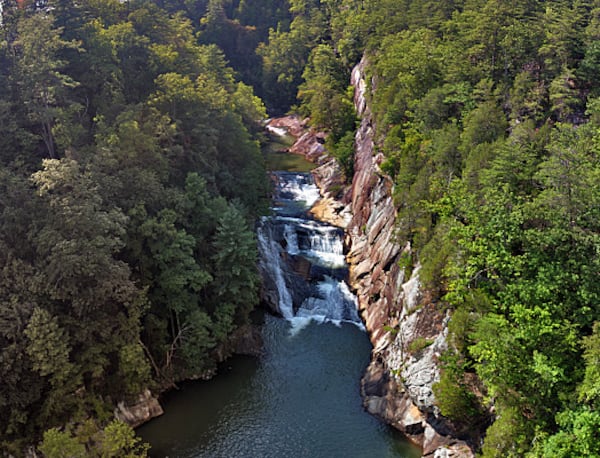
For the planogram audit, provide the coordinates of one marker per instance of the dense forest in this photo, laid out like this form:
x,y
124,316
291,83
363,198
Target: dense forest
x,y
131,176
488,114
130,180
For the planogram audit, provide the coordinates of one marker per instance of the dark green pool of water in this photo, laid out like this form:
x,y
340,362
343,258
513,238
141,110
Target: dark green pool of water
x,y
276,158
301,399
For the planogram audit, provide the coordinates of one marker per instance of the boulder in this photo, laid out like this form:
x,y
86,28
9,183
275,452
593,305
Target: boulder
x,y
142,410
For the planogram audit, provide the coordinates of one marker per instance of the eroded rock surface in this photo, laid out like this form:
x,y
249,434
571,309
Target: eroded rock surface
x,y
334,205
309,142
144,409
407,331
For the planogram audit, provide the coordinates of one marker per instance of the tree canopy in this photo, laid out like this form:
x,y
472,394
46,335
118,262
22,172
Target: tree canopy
x,y
487,115
129,168
130,175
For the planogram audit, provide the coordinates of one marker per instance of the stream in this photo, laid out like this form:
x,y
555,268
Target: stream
x,y
302,397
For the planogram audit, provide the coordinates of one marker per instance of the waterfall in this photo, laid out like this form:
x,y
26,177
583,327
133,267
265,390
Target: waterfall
x,y
294,193
302,260
271,265
332,300
291,238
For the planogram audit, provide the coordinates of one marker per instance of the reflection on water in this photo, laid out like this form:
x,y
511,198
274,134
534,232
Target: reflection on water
x,y
301,399
277,158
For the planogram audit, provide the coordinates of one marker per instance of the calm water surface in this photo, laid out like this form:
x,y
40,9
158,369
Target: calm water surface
x,y
276,157
301,399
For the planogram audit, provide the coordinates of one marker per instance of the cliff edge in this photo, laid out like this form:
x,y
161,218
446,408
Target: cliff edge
x,y
407,331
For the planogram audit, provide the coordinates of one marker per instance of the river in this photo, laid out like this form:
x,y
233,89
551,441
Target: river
x,y
302,397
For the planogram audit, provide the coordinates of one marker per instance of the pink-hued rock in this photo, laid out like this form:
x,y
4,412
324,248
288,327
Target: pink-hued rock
x,y
397,385
294,125
309,142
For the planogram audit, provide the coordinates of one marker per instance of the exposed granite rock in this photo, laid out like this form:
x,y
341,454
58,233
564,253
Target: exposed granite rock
x,y
309,142
407,331
311,145
144,409
334,205
293,125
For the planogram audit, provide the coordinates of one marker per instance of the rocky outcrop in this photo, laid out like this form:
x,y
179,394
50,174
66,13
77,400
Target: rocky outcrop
x,y
144,409
334,205
407,331
308,142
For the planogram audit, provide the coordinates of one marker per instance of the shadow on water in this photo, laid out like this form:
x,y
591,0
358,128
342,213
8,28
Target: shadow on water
x,y
277,158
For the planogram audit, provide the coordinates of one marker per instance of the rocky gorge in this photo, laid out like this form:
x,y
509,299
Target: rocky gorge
x,y
407,331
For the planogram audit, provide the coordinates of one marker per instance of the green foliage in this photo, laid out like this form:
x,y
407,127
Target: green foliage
x,y
461,325
114,260
324,94
116,439
479,111
234,264
563,96
134,369
48,347
288,50
578,436
343,151
508,435
436,255
120,440
528,98
420,343
60,444
42,87
484,124
453,396
238,28
589,390
123,145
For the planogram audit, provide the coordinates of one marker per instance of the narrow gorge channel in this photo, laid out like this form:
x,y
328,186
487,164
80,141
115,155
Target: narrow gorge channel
x,y
301,398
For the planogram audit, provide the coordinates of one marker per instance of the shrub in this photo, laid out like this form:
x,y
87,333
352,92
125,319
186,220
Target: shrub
x,y
419,344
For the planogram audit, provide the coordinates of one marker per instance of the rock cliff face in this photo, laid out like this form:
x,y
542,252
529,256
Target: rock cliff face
x,y
407,332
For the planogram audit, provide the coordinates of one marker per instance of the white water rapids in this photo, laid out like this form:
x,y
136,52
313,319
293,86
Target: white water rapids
x,y
302,260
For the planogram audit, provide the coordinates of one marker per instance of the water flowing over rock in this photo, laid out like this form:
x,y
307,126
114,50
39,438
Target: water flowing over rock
x,y
309,142
397,385
302,260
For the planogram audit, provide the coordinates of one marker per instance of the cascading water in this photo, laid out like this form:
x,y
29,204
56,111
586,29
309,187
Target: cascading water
x,y
300,398
302,260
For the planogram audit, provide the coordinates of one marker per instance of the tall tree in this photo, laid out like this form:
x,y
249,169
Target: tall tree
x,y
41,87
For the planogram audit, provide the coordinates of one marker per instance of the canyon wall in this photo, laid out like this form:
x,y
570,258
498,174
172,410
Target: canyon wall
x,y
407,331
